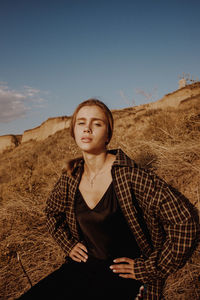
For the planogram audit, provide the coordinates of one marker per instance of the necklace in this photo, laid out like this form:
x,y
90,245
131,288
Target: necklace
x,y
91,180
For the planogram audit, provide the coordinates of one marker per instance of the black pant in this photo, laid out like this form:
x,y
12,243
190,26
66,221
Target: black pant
x,y
90,280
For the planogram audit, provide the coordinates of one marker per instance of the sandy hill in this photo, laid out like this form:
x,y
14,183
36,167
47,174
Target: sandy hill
x,y
52,125
164,138
47,128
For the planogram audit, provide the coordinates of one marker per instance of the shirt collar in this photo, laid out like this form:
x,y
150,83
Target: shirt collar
x,y
121,159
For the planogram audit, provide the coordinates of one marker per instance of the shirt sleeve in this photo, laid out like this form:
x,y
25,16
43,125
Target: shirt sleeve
x,y
172,216
55,211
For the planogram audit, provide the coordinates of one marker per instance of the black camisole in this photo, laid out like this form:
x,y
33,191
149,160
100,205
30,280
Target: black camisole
x,y
104,230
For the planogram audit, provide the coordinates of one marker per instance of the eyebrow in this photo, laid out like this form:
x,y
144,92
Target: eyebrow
x,y
93,119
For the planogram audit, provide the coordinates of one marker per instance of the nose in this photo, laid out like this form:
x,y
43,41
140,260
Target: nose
x,y
87,129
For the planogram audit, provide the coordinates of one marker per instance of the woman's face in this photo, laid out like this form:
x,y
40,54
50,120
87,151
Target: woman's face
x,y
90,129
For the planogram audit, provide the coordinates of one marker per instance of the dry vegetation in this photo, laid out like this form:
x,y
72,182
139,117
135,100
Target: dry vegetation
x,y
166,141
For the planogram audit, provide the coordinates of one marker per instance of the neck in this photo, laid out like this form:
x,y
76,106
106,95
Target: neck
x,y
94,162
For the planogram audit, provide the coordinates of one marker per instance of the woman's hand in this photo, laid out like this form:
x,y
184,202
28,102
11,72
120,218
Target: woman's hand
x,y
78,253
124,266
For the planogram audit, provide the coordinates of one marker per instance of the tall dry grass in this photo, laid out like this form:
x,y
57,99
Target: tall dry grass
x,y
167,142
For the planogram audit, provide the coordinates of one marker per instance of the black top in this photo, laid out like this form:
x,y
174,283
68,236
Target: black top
x,y
104,229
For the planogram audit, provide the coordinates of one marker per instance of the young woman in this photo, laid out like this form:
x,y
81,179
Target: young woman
x,y
120,226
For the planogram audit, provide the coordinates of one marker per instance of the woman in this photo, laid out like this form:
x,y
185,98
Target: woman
x,y
120,226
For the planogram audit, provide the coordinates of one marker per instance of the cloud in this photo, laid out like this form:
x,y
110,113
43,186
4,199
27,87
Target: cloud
x,y
17,104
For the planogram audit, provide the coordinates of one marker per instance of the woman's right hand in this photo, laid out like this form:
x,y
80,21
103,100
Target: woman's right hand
x,y
79,253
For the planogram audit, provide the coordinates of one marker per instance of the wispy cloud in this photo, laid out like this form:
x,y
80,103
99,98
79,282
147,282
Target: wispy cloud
x,y
17,104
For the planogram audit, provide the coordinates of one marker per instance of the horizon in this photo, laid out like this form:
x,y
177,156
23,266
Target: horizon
x,y
126,53
186,86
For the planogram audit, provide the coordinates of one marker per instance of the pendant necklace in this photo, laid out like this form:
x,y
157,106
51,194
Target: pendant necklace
x,y
91,181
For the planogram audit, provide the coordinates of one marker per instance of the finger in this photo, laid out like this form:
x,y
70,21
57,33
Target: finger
x,y
80,254
77,257
81,246
131,276
122,268
123,259
82,250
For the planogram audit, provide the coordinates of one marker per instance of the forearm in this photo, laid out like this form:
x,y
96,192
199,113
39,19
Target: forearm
x,y
61,234
173,255
55,212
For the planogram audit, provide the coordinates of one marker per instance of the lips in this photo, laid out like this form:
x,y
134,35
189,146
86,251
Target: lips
x,y
86,139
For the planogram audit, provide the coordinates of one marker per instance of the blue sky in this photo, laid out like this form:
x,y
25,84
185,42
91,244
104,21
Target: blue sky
x,y
55,54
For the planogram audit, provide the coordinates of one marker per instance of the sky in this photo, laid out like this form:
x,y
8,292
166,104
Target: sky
x,y
55,54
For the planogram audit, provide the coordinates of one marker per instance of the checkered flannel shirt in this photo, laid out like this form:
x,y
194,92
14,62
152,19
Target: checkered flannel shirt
x,y
171,228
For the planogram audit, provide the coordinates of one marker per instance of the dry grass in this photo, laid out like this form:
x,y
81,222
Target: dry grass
x,y
167,142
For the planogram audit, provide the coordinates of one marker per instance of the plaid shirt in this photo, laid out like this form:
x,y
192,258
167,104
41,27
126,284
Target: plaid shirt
x,y
163,225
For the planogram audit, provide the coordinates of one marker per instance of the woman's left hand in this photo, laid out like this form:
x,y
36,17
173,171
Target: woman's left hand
x,y
124,266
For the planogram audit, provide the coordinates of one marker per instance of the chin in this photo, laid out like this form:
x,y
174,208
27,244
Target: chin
x,y
93,150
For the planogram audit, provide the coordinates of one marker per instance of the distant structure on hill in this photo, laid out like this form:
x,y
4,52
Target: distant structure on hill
x,y
182,83
186,79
